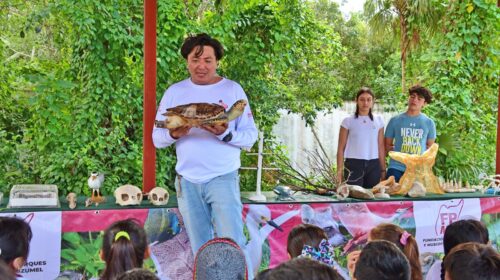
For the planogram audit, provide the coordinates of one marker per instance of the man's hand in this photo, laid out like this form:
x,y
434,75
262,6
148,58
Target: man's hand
x,y
216,129
177,133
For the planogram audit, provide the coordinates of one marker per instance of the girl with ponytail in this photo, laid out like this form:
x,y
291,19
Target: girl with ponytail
x,y
404,241
124,247
361,144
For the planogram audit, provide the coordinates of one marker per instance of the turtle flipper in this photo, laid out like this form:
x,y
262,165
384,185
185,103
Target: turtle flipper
x,y
236,110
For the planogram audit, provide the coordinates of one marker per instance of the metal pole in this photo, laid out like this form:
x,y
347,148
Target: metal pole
x,y
258,196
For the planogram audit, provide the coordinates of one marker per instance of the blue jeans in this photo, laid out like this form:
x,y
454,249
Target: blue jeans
x,y
212,208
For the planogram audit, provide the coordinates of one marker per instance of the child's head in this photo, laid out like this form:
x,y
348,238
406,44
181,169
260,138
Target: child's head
x,y
304,234
472,261
222,259
464,231
15,237
300,268
404,241
124,247
382,260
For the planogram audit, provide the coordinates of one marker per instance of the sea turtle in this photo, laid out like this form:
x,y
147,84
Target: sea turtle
x,y
198,114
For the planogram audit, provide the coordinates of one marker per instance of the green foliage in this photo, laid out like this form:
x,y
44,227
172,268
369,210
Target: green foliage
x,y
82,254
462,71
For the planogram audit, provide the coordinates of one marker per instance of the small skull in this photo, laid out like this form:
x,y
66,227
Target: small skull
x,y
158,196
128,195
71,198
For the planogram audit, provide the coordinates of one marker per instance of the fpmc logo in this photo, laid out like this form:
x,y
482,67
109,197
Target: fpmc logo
x,y
448,214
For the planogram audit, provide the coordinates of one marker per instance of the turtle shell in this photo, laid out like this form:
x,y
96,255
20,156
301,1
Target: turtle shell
x,y
197,111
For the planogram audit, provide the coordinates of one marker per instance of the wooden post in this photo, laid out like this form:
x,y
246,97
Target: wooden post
x,y
497,170
149,97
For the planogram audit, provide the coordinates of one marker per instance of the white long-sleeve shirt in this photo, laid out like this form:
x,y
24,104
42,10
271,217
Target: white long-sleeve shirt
x,y
201,155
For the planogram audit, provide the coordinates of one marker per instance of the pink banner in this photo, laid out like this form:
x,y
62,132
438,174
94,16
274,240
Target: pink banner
x,y
346,224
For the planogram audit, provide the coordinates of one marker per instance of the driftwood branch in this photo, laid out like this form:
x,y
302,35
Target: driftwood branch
x,y
321,180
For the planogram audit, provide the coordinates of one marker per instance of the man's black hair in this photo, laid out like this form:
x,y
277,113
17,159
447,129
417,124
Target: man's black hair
x,y
199,41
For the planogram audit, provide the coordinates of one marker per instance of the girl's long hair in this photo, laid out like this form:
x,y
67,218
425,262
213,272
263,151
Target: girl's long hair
x,y
393,234
126,252
361,91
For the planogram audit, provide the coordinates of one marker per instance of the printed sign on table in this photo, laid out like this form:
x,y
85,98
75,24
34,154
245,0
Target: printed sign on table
x,y
44,258
432,218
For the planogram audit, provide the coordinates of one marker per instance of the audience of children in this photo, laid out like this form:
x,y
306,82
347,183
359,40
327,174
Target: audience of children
x,y
15,237
124,247
456,233
472,261
299,269
221,259
382,260
391,253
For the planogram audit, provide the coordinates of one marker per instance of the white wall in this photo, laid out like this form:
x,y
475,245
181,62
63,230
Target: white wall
x,y
292,132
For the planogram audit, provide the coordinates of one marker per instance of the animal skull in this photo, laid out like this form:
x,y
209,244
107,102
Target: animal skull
x,y
158,196
71,198
128,195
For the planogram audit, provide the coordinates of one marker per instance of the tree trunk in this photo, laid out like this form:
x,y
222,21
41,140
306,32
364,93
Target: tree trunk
x,y
403,74
403,47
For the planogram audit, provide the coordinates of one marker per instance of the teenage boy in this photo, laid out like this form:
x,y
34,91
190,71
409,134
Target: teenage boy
x,y
411,132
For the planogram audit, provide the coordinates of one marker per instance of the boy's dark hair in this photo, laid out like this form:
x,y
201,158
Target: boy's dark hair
x,y
222,259
382,260
199,41
361,91
300,268
422,92
473,261
15,237
463,231
304,234
138,274
123,247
